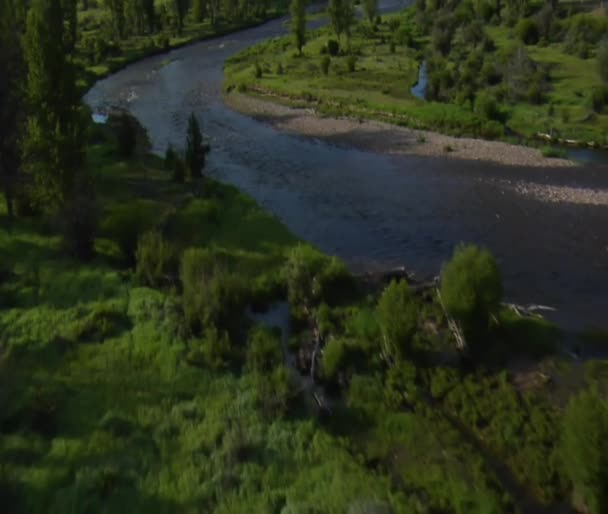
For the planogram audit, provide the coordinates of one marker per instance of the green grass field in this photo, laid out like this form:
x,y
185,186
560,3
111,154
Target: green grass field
x,y
379,87
103,410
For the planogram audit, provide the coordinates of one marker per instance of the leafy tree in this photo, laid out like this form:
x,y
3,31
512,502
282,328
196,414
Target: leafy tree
x,y
342,16
11,64
602,60
398,317
264,351
585,449
471,290
298,22
196,150
54,139
199,9
117,13
371,9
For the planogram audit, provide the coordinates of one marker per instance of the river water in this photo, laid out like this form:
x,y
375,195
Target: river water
x,y
379,210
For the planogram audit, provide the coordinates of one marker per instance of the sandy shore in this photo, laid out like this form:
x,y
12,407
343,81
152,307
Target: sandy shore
x,y
386,138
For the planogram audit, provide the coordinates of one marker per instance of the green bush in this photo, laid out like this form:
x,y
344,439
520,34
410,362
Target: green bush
x,y
127,223
398,318
333,358
212,351
585,449
486,106
527,31
312,277
325,62
279,69
351,63
602,60
212,296
264,352
599,98
274,391
550,151
333,47
126,136
257,70
156,260
471,290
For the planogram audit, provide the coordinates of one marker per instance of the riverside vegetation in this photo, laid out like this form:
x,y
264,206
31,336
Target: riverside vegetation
x,y
134,376
497,70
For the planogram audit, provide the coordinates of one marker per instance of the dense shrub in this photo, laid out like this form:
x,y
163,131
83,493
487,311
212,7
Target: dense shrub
x,y
127,223
333,47
264,352
398,317
257,71
212,296
214,350
274,391
471,290
599,98
325,62
489,74
279,69
486,106
126,136
312,277
333,358
156,260
351,63
585,449
527,31
602,60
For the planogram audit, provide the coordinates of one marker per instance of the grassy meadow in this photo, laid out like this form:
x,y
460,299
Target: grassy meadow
x,y
111,401
373,72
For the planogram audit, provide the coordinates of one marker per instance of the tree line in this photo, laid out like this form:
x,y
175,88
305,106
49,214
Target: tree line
x,y
147,17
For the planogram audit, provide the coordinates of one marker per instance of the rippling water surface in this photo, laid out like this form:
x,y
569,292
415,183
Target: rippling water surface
x,y
379,210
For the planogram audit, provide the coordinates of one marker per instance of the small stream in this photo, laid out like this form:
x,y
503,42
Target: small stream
x,y
418,90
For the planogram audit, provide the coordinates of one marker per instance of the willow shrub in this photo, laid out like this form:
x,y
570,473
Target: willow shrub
x,y
471,289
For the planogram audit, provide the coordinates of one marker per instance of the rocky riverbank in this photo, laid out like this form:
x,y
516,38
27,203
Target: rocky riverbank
x,y
386,138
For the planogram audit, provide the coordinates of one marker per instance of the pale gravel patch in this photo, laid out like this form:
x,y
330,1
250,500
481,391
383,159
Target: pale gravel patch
x,y
386,138
563,194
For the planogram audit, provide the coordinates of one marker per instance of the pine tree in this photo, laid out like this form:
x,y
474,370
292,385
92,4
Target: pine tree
x,y
196,150
298,22
371,9
342,16
53,143
11,64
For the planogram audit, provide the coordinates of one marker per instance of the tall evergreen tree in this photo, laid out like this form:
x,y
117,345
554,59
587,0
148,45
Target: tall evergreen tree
x,y
196,150
298,22
11,64
53,144
118,16
342,16
371,9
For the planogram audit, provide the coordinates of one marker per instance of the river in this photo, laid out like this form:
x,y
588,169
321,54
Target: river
x,y
378,210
